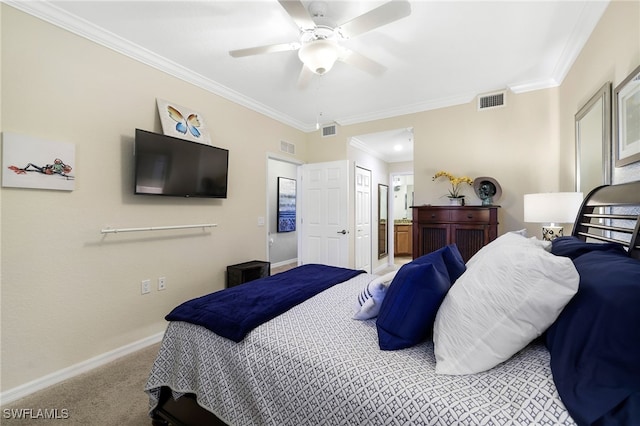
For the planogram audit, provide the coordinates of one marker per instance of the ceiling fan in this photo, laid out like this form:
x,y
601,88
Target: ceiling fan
x,y
319,40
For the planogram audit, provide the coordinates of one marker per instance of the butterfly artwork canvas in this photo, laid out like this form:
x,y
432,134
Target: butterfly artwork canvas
x,y
182,122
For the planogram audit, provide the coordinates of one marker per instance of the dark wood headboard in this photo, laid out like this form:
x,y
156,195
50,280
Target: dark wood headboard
x,y
611,213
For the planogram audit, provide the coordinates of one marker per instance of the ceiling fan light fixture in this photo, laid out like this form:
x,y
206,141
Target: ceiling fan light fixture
x,y
319,55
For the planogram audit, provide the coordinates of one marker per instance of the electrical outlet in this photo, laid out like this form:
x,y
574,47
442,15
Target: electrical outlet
x,y
145,286
162,283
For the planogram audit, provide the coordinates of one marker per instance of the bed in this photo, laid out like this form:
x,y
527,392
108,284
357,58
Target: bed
x,y
405,360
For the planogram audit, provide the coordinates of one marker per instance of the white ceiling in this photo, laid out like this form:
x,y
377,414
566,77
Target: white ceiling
x,y
445,53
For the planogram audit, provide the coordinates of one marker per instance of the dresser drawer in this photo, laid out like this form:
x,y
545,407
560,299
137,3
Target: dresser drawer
x,y
467,215
433,215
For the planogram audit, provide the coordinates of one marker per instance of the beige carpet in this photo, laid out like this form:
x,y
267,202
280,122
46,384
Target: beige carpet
x,y
109,395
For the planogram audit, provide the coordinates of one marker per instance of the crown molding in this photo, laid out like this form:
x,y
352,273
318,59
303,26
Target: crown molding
x,y
530,86
408,109
50,13
589,17
357,143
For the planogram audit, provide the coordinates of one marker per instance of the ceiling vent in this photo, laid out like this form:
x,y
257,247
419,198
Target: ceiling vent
x,y
328,131
287,147
492,100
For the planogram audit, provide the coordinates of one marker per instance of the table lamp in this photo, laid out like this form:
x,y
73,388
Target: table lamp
x,y
552,209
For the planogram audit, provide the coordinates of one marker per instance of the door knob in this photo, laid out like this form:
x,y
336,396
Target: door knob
x,y
343,232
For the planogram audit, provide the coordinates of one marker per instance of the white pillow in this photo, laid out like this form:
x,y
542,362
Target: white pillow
x,y
502,240
370,299
544,244
510,294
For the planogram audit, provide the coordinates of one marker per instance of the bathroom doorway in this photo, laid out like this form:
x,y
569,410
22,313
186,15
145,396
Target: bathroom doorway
x,y
402,197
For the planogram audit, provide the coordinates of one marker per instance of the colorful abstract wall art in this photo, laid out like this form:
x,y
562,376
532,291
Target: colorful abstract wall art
x,y
181,122
29,162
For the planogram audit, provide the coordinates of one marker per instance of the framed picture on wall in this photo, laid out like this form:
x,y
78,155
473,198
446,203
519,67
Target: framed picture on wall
x,y
627,121
286,204
30,162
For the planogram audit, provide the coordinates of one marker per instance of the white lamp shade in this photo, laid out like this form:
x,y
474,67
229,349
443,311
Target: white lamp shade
x,y
552,207
319,55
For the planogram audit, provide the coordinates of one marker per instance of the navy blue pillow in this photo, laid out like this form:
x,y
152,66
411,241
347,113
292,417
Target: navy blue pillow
x,y
452,259
409,309
595,342
572,247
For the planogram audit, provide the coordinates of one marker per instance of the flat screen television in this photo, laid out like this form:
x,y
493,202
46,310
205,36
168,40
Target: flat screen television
x,y
169,166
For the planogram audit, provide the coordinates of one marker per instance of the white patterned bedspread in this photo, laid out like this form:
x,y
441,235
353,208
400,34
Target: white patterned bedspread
x,y
314,365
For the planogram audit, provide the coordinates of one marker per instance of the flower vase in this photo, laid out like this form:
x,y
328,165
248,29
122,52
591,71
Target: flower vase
x,y
456,201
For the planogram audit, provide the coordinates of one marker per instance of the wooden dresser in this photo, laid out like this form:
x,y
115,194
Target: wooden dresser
x,y
469,227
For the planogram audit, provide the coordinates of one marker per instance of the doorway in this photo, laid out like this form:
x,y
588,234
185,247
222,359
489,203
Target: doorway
x,y
282,247
363,206
386,154
402,198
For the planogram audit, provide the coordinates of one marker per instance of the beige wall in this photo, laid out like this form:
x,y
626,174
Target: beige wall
x,y
611,54
517,145
68,292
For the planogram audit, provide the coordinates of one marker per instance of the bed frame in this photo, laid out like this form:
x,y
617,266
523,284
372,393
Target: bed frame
x,y
184,411
609,213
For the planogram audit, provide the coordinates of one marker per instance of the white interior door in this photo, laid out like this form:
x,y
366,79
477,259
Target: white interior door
x,y
363,219
324,208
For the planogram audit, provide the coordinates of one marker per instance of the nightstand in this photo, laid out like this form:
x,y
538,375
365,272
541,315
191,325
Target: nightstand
x,y
247,271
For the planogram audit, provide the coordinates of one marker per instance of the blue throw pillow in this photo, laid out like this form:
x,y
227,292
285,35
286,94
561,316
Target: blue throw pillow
x,y
409,309
452,259
595,342
572,247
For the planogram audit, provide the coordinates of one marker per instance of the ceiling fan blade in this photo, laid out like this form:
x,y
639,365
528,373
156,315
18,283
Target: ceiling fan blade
x,y
298,13
362,62
305,77
265,49
383,15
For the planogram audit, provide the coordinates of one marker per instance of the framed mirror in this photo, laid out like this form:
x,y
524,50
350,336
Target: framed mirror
x,y
383,212
593,141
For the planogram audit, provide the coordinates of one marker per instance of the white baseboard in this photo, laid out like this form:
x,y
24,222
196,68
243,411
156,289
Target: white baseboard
x,y
77,369
382,267
285,262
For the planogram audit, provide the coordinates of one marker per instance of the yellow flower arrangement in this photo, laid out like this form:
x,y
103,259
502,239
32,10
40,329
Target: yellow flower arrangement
x,y
454,192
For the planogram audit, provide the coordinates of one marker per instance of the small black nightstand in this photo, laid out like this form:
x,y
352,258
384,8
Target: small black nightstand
x,y
247,271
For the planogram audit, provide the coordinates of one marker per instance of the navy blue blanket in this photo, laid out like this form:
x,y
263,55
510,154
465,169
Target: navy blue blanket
x,y
234,312
595,342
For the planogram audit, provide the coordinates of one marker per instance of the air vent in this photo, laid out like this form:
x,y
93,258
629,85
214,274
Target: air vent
x,y
491,100
329,131
287,147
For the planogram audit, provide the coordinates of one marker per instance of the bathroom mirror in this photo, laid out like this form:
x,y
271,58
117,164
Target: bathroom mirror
x,y
383,212
593,141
